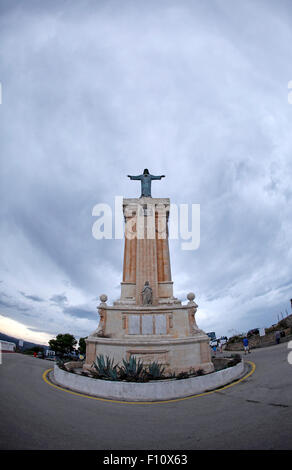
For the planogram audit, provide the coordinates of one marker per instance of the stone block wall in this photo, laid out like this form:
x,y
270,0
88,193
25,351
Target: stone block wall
x,y
258,341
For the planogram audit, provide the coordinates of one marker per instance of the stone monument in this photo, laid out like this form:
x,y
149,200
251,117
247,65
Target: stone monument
x,y
147,321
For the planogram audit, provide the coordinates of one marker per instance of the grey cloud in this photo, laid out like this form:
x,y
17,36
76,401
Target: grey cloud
x,y
22,309
59,299
35,298
77,311
193,90
38,330
4,303
12,304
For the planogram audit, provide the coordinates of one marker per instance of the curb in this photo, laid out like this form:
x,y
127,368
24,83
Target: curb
x,y
251,364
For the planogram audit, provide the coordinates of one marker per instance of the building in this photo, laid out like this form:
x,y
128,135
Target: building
x,y
7,346
50,353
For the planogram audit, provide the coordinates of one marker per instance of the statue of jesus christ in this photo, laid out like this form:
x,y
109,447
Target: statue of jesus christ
x,y
146,179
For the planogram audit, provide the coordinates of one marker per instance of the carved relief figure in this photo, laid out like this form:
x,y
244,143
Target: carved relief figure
x,y
147,295
193,307
100,331
102,322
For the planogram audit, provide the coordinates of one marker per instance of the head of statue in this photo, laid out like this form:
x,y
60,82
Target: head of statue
x,y
146,172
146,283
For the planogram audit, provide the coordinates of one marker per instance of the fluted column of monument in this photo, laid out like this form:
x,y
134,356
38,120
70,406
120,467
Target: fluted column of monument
x,y
128,284
146,255
146,251
162,246
129,268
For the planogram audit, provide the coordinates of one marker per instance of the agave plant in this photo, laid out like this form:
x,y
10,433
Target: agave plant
x,y
105,368
155,371
132,370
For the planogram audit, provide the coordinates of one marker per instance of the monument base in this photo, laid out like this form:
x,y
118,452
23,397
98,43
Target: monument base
x,y
166,334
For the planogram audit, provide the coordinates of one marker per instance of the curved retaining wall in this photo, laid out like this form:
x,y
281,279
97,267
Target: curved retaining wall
x,y
149,391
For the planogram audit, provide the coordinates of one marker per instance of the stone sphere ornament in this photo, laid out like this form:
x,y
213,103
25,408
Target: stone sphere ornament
x,y
103,297
191,296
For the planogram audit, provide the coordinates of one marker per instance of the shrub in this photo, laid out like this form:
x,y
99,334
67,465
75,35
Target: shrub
x,y
132,371
28,352
234,339
61,364
182,375
271,329
171,375
154,371
283,323
105,368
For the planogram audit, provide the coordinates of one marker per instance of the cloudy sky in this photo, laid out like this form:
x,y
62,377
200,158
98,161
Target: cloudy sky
x,y
95,90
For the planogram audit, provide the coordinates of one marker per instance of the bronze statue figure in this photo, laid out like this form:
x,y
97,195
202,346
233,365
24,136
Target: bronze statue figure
x,y
146,179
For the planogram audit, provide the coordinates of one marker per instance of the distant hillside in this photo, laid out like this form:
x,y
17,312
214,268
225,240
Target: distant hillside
x,y
26,344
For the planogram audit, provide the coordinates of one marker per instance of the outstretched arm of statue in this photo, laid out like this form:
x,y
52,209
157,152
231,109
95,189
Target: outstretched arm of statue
x,y
157,177
134,177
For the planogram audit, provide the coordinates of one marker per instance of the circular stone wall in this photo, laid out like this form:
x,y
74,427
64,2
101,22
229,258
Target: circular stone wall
x,y
149,391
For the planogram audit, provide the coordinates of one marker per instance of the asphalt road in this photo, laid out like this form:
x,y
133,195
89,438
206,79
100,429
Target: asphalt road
x,y
254,414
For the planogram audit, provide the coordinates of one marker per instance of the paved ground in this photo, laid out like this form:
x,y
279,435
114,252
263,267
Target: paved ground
x,y
255,414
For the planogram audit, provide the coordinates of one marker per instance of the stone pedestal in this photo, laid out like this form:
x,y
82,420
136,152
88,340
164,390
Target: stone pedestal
x,y
164,331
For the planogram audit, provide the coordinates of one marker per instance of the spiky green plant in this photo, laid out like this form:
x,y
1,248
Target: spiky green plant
x,y
132,370
155,371
105,368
